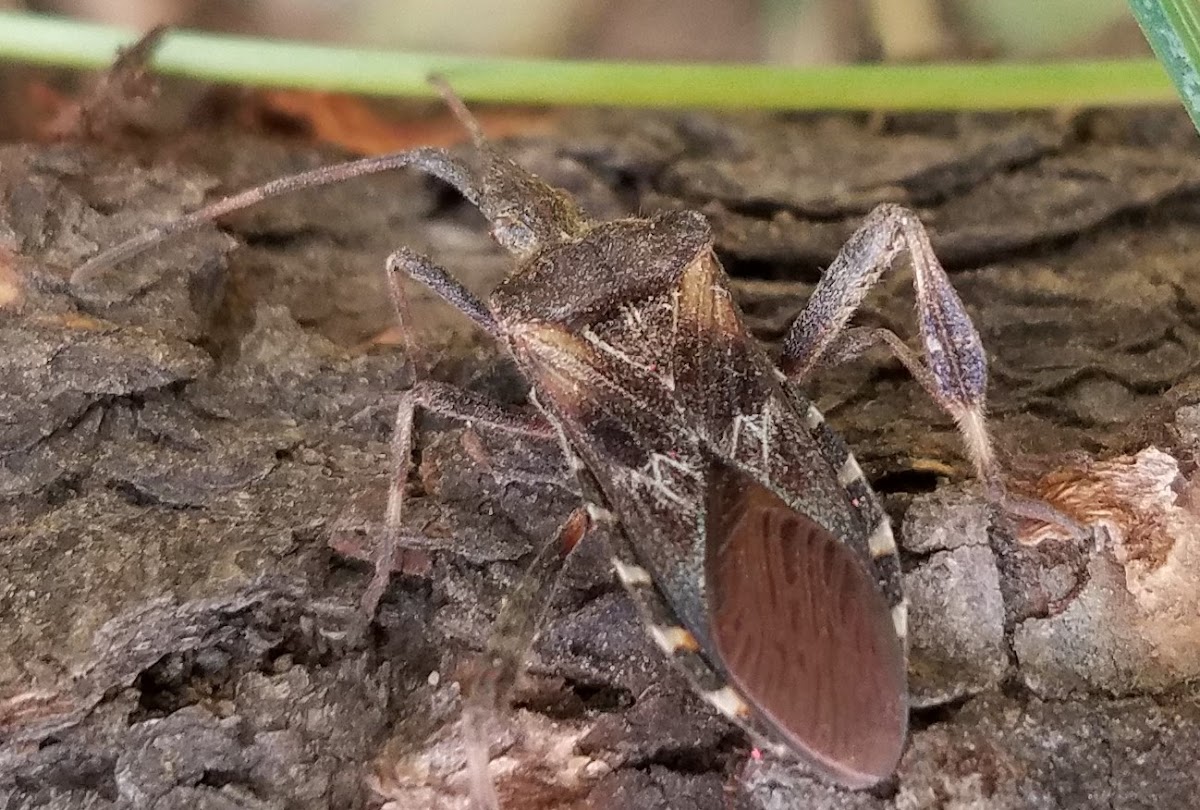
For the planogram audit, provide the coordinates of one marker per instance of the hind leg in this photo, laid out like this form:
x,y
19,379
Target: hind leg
x,y
954,367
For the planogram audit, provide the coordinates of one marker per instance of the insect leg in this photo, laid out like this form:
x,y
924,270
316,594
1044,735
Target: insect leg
x,y
857,340
410,264
954,371
523,608
955,368
448,401
488,688
435,397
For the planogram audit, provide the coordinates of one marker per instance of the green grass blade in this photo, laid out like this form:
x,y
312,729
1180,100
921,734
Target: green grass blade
x,y
243,60
1173,29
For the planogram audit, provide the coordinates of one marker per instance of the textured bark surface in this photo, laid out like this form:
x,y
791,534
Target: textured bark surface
x,y
185,442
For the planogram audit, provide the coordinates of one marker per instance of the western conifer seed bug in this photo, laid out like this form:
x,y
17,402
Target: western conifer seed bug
x,y
744,529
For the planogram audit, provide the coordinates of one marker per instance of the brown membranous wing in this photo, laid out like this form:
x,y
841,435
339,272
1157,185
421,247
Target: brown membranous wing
x,y
802,630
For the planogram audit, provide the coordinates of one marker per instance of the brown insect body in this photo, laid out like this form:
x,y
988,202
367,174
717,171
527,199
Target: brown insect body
x,y
636,351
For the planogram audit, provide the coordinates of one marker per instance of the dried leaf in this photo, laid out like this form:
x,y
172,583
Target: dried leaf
x,y
350,122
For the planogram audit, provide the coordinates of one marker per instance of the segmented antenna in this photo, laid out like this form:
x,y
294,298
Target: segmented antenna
x,y
459,109
435,162
317,177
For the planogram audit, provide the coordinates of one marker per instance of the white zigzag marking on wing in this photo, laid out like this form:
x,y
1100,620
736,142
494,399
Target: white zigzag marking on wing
x,y
759,426
608,348
657,473
632,316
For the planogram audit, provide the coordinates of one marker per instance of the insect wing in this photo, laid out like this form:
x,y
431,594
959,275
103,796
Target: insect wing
x,y
803,632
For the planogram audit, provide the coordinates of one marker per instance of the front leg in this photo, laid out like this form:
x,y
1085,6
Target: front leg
x,y
437,398
520,616
954,371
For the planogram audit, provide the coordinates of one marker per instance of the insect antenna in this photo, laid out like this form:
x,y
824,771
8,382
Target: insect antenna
x,y
459,109
436,162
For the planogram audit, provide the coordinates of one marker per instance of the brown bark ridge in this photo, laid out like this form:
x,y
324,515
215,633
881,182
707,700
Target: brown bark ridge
x,y
184,444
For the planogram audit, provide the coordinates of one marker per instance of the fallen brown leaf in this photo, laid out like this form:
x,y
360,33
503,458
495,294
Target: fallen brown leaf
x,y
351,123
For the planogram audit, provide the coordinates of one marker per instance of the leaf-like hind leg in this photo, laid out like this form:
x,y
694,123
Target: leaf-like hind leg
x,y
955,368
954,371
